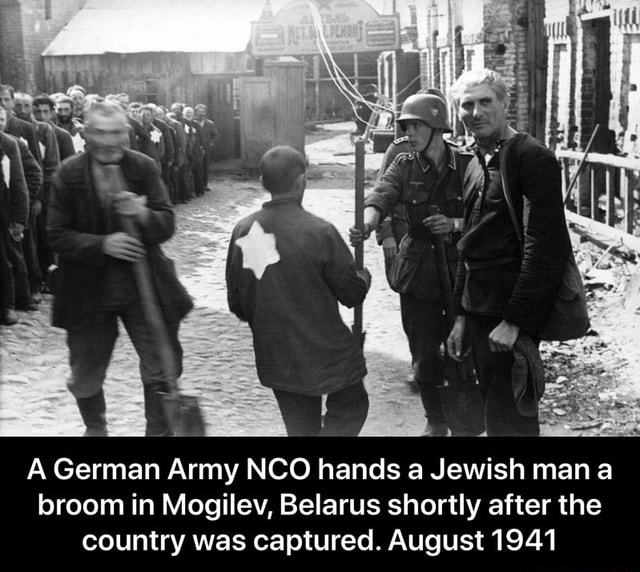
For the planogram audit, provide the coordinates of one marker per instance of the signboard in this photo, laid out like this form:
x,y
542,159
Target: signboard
x,y
348,26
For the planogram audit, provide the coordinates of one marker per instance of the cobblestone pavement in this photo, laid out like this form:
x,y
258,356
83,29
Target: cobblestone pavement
x,y
218,361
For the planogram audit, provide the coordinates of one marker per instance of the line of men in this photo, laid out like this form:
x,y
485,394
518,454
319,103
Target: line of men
x,y
38,133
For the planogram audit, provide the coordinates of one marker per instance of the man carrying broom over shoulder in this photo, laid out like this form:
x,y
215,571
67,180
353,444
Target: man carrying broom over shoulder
x,y
95,283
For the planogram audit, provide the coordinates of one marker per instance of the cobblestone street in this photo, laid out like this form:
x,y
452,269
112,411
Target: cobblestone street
x,y
218,360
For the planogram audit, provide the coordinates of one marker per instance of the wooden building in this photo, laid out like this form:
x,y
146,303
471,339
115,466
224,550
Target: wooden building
x,y
594,74
336,40
159,51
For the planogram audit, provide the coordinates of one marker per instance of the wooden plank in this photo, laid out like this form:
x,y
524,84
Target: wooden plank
x,y
599,228
257,119
626,192
631,163
610,217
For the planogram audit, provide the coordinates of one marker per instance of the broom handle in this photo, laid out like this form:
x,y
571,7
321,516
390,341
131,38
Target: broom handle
x,y
151,310
156,325
359,223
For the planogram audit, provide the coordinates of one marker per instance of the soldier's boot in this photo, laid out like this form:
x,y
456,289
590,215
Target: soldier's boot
x,y
93,410
154,410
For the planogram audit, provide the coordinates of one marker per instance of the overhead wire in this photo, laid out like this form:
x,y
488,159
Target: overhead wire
x,y
339,78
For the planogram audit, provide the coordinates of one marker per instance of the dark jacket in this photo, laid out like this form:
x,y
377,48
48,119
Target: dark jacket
x,y
169,155
48,148
531,283
14,195
65,142
394,224
300,341
209,134
77,227
180,140
33,174
411,181
25,130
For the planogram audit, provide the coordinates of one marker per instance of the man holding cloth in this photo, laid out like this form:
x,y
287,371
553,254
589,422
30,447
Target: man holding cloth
x,y
504,289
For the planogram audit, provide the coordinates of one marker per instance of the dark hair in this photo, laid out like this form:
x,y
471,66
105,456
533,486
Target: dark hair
x,y
279,167
64,99
44,99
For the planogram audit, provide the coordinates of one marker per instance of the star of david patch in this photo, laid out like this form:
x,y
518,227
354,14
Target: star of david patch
x,y
156,136
258,250
78,143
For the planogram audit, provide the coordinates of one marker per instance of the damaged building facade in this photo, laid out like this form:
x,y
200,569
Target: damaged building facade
x,y
571,64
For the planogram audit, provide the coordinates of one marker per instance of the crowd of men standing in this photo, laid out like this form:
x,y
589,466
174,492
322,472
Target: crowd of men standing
x,y
38,132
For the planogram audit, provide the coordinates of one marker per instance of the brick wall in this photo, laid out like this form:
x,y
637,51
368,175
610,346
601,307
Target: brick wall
x,y
506,52
11,58
25,32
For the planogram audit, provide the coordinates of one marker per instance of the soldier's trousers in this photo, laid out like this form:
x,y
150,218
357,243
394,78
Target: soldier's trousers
x,y
424,325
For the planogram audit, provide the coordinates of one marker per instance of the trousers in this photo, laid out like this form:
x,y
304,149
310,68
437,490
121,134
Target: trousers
x,y
424,324
346,412
494,374
91,347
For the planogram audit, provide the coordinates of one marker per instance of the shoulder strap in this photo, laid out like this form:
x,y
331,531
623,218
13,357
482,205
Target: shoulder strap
x,y
507,193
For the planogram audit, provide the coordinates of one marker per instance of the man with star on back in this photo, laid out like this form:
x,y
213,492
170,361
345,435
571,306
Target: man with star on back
x,y
287,272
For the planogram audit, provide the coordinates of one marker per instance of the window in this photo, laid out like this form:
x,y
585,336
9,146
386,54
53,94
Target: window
x,y
47,9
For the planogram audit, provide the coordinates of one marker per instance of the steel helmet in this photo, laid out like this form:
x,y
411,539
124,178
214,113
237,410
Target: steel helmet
x,y
428,108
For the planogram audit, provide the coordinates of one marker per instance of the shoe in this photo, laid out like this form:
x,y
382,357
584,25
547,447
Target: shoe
x,y
435,430
9,317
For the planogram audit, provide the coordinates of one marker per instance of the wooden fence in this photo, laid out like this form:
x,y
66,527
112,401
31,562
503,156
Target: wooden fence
x,y
606,197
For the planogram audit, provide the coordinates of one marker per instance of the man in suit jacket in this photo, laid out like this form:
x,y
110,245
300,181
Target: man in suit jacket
x,y
95,284
44,111
180,150
210,134
14,213
33,240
